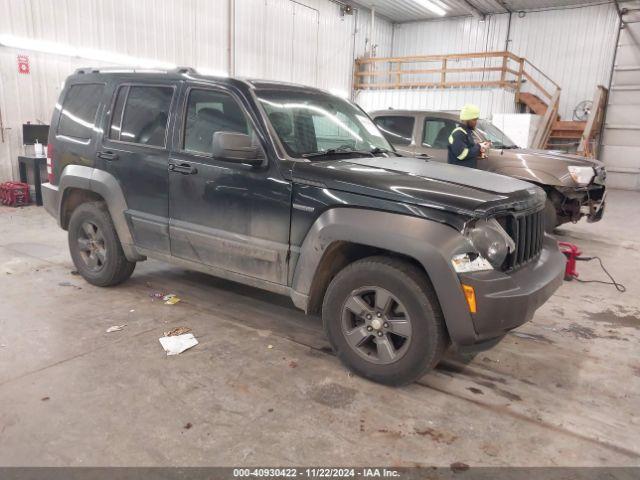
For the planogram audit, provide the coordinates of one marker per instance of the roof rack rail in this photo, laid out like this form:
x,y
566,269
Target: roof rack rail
x,y
126,69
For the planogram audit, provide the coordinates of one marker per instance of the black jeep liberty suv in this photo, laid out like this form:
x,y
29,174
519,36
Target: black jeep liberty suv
x,y
296,191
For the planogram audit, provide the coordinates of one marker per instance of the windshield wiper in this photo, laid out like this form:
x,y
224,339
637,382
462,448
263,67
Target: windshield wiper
x,y
339,151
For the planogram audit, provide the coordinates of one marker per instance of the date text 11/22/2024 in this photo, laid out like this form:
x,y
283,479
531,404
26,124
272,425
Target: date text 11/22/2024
x,y
316,472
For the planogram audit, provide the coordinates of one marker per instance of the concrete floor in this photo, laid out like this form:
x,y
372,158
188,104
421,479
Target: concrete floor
x,y
561,390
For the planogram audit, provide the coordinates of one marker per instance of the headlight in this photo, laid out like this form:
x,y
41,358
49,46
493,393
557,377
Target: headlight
x,y
470,262
490,241
581,175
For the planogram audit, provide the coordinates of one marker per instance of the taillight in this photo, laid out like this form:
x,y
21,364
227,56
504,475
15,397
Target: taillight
x,y
50,174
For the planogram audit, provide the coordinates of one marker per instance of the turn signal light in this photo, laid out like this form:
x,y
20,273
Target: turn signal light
x,y
470,295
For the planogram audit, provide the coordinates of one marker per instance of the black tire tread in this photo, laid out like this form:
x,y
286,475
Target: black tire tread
x,y
122,268
417,280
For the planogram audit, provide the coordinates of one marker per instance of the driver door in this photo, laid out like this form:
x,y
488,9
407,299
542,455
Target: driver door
x,y
230,216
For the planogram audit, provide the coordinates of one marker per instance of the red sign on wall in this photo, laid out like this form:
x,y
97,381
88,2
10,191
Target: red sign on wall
x,y
23,64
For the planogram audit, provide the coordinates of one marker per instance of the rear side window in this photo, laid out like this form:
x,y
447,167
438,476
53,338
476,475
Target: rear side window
x,y
436,132
141,114
397,129
78,113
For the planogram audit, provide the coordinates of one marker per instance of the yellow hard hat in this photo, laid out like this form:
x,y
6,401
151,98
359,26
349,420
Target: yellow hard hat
x,y
469,112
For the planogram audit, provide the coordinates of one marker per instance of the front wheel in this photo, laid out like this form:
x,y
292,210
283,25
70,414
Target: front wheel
x,y
383,320
95,247
550,217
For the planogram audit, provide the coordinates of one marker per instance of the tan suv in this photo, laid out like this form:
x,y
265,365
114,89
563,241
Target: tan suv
x,y
575,185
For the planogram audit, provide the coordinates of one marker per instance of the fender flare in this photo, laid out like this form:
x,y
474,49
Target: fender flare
x,y
430,243
105,185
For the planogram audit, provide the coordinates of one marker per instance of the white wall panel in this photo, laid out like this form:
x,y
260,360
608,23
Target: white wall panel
x,y
382,37
489,100
574,47
457,35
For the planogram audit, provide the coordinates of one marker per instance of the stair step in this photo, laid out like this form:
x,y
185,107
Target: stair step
x,y
535,103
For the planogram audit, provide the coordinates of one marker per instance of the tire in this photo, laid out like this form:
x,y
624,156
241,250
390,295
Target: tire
x,y
95,248
550,217
417,347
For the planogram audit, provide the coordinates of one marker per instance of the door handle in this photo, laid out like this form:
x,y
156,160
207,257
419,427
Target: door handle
x,y
108,155
183,168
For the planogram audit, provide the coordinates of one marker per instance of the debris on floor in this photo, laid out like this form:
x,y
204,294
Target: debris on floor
x,y
170,299
115,328
177,331
69,284
270,347
177,344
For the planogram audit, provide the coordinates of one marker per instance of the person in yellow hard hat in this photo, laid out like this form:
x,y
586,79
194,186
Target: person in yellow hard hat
x,y
463,150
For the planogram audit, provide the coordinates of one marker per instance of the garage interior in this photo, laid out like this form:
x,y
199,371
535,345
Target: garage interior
x,y
262,388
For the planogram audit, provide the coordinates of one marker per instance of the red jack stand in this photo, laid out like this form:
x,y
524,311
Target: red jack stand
x,y
572,252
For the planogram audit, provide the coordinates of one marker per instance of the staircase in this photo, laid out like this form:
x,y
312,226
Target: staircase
x,y
565,134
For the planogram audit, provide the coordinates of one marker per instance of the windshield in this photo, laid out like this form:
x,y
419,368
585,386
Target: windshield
x,y
496,136
313,124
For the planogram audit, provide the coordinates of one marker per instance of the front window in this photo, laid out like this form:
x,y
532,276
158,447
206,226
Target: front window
x,y
493,134
313,124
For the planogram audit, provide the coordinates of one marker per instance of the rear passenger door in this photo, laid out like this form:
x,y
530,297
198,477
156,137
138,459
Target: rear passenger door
x,y
398,130
135,150
231,216
434,138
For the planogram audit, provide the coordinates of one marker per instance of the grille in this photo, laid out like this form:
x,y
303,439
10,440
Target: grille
x,y
527,232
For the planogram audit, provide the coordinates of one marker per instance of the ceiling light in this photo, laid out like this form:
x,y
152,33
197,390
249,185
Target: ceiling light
x,y
433,6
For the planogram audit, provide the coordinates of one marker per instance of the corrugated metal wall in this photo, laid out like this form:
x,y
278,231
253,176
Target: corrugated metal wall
x,y
489,100
572,46
307,41
621,142
382,35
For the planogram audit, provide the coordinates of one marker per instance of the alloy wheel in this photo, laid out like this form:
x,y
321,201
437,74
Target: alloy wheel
x,y
376,325
92,247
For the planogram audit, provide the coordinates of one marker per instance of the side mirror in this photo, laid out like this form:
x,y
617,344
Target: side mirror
x,y
235,147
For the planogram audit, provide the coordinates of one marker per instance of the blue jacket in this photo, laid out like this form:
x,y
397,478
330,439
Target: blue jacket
x,y
463,150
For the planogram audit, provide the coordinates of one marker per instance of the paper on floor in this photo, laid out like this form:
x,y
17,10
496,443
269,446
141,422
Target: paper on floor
x,y
178,344
115,328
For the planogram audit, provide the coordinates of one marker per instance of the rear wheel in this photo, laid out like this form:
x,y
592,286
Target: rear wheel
x,y
383,320
95,247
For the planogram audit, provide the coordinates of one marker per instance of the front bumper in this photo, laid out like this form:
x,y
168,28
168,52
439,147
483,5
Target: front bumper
x,y
51,200
506,300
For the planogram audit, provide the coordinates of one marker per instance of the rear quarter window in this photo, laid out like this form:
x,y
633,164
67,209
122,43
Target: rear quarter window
x,y
78,112
397,129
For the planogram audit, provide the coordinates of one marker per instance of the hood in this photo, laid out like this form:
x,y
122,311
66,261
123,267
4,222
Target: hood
x,y
422,182
541,166
558,157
